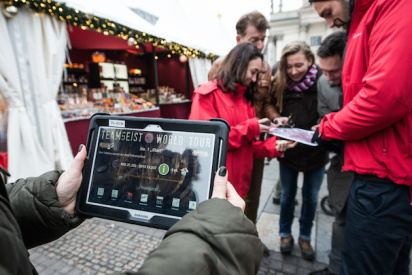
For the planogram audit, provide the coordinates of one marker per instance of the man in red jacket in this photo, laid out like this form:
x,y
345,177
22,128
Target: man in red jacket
x,y
376,124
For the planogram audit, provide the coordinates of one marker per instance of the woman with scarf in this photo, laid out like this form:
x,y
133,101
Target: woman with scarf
x,y
294,93
230,97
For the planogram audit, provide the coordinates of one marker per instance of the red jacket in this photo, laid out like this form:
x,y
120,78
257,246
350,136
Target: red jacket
x,y
210,102
376,120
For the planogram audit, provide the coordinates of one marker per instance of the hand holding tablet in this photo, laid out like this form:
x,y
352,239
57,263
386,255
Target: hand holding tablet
x,y
149,171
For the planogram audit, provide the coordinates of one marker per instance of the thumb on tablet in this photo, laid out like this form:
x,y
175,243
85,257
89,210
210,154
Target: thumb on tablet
x,y
220,184
234,198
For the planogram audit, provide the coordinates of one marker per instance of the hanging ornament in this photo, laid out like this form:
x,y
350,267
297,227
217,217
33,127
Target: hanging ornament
x,y
183,58
9,11
131,41
98,56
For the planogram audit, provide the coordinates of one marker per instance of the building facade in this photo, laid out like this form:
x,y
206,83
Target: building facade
x,y
302,24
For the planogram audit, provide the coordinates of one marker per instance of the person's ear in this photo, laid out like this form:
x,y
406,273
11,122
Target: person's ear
x,y
238,37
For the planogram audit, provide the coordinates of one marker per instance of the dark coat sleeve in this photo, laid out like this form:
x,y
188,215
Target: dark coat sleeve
x,y
36,208
217,238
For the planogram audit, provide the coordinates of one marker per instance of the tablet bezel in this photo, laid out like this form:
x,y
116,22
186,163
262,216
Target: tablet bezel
x,y
217,127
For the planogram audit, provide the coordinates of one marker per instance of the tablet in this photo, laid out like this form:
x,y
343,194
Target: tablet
x,y
149,171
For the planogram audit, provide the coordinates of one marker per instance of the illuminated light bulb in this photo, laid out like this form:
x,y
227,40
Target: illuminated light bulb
x,y
183,58
131,41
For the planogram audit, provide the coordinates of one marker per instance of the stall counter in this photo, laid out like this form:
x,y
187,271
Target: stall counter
x,y
178,110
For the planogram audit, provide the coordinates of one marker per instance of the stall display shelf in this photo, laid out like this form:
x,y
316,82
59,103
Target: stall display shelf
x,y
74,106
75,80
112,113
137,83
176,101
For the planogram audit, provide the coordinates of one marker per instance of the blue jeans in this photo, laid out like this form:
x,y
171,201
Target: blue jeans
x,y
378,228
311,184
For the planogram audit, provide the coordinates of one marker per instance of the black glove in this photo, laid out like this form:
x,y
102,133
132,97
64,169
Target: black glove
x,y
316,137
335,145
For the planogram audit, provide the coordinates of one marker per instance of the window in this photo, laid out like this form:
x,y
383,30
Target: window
x,y
315,40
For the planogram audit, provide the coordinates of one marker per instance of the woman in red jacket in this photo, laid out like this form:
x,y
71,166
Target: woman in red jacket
x,y
230,97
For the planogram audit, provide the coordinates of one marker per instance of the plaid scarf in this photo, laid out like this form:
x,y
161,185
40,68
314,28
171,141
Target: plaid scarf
x,y
306,83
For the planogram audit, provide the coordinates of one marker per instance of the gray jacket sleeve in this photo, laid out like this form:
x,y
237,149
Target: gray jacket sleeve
x,y
36,208
323,108
217,238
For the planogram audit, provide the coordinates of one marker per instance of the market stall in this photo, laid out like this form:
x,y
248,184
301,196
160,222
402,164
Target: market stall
x,y
32,65
142,76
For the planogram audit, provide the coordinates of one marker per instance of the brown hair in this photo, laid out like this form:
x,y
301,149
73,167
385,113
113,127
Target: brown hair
x,y
255,19
234,67
281,76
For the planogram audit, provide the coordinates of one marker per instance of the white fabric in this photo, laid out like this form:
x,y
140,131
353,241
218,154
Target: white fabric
x,y
199,68
176,21
47,54
31,64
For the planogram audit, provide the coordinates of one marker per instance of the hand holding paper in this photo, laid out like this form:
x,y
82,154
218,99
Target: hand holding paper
x,y
295,134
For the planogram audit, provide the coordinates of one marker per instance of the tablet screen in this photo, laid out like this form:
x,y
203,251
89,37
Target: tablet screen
x,y
146,171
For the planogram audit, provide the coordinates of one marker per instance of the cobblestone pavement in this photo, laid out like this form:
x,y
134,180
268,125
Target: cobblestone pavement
x,y
97,247
103,247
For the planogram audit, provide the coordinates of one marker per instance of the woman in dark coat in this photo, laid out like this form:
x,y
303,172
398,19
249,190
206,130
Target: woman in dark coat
x,y
295,94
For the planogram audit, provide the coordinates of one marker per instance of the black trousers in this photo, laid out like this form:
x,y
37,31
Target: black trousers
x,y
253,195
378,228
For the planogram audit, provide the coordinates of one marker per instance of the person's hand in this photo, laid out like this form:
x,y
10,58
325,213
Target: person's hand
x,y
281,121
223,189
265,125
283,145
316,138
314,127
335,145
69,182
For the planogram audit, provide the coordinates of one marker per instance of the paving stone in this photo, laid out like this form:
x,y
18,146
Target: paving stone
x,y
97,245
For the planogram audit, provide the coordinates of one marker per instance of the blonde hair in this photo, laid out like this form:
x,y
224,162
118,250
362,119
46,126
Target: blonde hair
x,y
281,76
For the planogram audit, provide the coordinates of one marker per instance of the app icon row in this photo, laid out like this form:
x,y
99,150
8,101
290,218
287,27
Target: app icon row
x,y
144,198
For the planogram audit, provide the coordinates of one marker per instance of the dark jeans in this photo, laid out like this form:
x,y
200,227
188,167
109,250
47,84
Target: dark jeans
x,y
312,180
378,228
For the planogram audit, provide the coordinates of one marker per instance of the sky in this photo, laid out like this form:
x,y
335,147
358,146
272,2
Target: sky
x,y
229,11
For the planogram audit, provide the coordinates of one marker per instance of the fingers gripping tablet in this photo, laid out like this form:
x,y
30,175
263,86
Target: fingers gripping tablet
x,y
149,171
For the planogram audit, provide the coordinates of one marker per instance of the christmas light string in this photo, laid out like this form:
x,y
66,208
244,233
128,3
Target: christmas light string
x,y
87,21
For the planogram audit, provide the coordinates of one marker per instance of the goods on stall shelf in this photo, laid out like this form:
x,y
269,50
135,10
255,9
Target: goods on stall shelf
x,y
108,87
137,82
75,78
100,100
168,94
